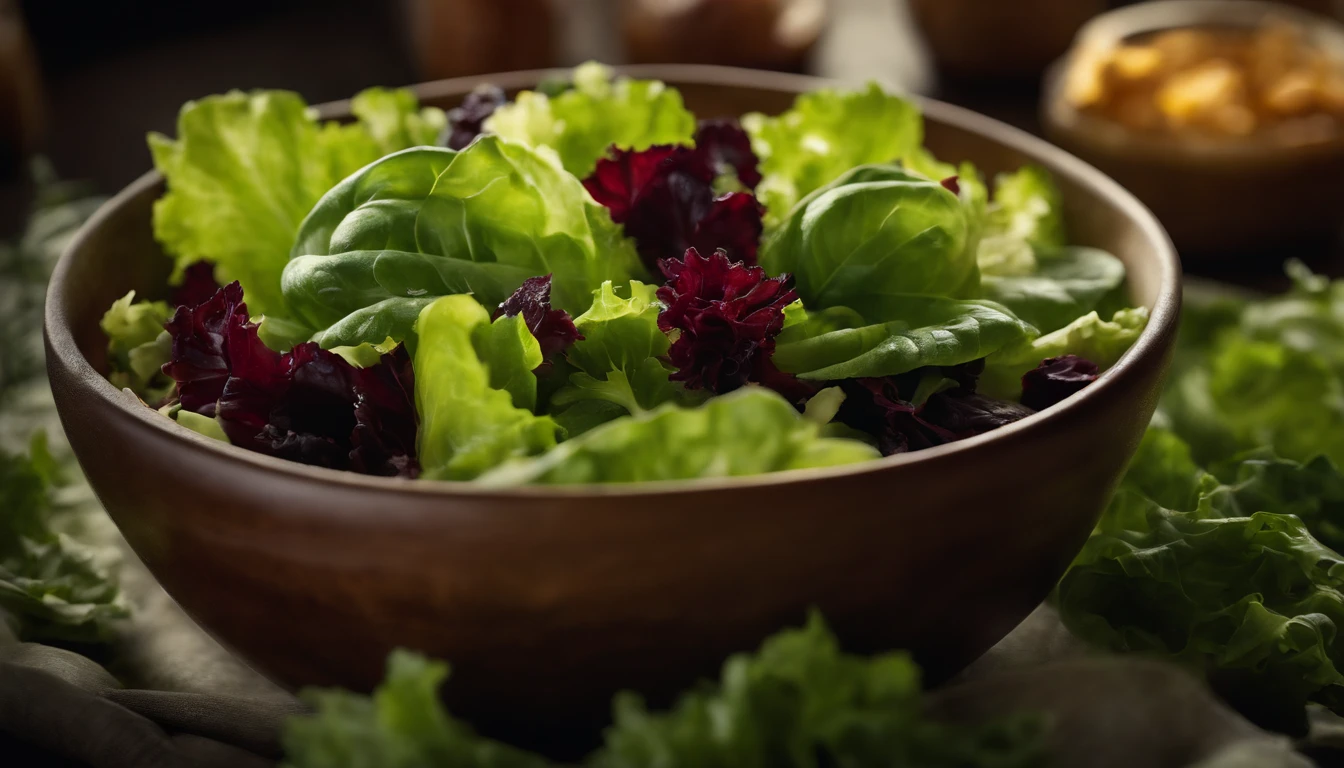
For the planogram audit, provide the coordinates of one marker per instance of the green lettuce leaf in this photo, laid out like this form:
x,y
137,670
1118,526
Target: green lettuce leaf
x,y
247,167
875,233
1089,337
1065,286
138,346
50,587
403,725
1025,217
618,361
430,222
1225,579
913,332
469,421
797,702
581,123
824,134
746,432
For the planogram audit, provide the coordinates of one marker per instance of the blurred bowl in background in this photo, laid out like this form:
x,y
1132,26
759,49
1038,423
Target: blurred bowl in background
x,y
979,40
1224,193
763,34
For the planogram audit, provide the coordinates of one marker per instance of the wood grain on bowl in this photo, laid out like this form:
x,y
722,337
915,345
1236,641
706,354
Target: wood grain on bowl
x,y
547,600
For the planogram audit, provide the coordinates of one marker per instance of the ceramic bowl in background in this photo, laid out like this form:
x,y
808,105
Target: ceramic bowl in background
x,y
1221,200
547,600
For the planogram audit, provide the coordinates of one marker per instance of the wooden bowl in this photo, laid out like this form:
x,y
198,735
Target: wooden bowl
x,y
547,600
1222,202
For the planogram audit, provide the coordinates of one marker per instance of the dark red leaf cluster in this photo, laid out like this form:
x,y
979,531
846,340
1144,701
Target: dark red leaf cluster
x,y
553,328
307,405
464,121
728,148
1055,379
664,197
725,315
879,407
200,355
198,285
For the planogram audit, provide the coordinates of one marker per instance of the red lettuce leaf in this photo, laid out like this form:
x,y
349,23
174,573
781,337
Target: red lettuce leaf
x,y
198,285
664,198
879,407
725,315
728,147
200,355
1055,379
464,121
553,328
307,405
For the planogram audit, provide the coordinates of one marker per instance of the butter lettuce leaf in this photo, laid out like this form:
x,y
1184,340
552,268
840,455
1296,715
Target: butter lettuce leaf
x,y
826,133
914,332
600,111
246,168
875,233
746,432
1066,285
467,392
430,222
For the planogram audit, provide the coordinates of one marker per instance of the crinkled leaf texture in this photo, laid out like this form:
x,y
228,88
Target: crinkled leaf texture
x,y
797,702
50,586
431,222
747,432
1223,578
825,134
617,368
473,390
1024,217
599,112
247,167
912,332
138,346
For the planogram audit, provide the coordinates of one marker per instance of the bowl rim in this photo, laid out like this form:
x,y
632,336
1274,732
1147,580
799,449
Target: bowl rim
x,y
1117,25
63,350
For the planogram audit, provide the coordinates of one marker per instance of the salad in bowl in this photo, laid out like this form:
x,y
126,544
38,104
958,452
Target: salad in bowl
x,y
586,284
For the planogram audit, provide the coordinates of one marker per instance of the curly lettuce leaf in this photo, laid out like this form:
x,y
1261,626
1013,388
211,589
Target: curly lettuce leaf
x,y
1099,341
468,388
912,332
797,702
138,346
403,725
747,432
876,233
826,133
619,361
50,587
431,222
247,167
599,112
1025,217
1225,579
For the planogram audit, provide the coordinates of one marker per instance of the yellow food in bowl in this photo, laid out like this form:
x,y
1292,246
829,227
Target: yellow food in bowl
x,y
1229,83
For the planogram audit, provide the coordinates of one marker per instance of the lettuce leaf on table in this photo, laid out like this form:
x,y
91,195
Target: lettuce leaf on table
x,y
430,222
246,168
580,124
797,702
51,587
747,432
